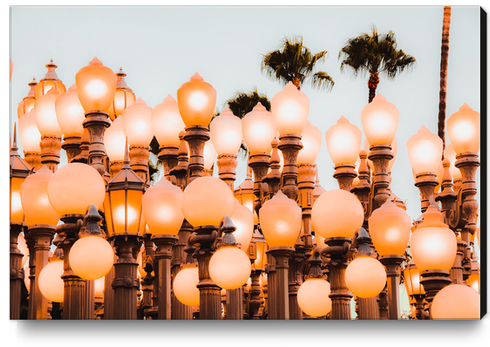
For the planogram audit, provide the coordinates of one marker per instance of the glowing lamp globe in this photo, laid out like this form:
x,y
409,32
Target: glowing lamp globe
x,y
290,109
456,301
137,123
96,85
185,285
206,200
162,208
259,130
50,283
46,119
390,228
196,100
463,130
379,121
29,134
474,282
424,151
433,245
35,201
450,154
76,180
50,81
337,213
365,277
343,142
123,96
91,257
167,122
70,113
230,267
412,279
243,219
313,297
311,138
27,102
280,219
226,133
209,154
115,140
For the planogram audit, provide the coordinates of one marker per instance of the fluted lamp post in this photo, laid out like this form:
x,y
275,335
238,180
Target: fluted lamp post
x,y
196,100
125,225
19,171
162,208
205,202
257,249
85,183
390,227
280,220
40,219
336,216
96,86
167,124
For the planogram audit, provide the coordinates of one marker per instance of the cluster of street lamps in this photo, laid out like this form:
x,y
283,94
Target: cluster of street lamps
x,y
192,245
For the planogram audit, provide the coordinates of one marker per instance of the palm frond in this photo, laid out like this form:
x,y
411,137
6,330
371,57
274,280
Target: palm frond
x,y
322,80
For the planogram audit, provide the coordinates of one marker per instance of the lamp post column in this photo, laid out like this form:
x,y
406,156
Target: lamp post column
x,y
337,249
125,281
179,310
281,291
169,156
96,123
108,290
16,272
392,264
50,151
74,299
196,137
163,256
380,155
71,145
41,237
138,156
290,145
209,293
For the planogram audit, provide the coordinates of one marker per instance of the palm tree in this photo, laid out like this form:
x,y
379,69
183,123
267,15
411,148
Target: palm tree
x,y
374,54
295,63
441,124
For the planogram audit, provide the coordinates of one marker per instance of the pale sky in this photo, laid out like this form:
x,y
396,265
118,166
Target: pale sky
x,y
160,48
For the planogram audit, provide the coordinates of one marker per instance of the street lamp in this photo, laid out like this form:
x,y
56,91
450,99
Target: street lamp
x,y
415,290
123,97
27,103
456,301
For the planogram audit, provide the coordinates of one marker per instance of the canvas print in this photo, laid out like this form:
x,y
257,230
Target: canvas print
x,y
247,163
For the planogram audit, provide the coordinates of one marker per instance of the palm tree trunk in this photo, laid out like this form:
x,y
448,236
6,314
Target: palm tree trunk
x,y
373,85
444,60
297,83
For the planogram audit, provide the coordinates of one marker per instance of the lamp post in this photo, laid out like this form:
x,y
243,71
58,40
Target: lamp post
x,y
50,81
27,103
96,85
123,97
163,214
196,100
19,171
415,289
390,231
70,115
205,202
84,182
336,216
40,219
168,124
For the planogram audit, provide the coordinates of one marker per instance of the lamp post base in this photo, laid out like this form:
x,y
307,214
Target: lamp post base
x,y
392,264
281,292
